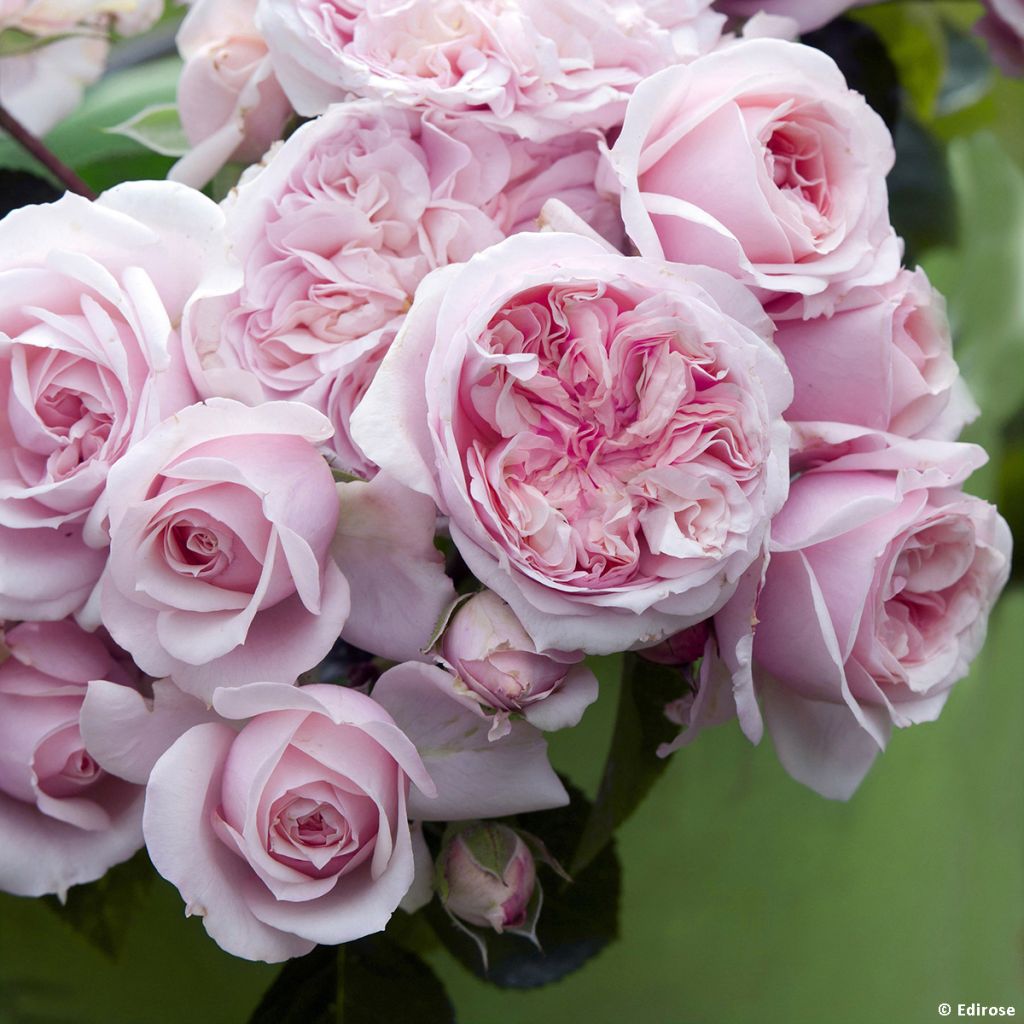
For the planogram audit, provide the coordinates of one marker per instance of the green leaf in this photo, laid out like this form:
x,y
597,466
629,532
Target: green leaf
x,y
922,203
914,36
15,43
384,983
370,981
102,158
157,128
578,918
305,992
102,911
632,766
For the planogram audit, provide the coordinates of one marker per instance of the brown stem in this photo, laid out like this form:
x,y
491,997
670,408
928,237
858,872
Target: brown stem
x,y
37,148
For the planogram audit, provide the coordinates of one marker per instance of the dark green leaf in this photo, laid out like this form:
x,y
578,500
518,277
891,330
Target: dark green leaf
x,y
915,41
385,984
305,992
371,981
922,203
968,75
102,911
578,918
632,765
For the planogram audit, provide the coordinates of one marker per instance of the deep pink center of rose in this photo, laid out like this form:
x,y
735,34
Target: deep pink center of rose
x,y
926,603
796,163
62,766
320,837
195,550
603,436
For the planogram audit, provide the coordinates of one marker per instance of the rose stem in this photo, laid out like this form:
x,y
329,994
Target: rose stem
x,y
36,148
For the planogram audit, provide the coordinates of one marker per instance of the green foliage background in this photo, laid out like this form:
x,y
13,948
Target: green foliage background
x,y
746,897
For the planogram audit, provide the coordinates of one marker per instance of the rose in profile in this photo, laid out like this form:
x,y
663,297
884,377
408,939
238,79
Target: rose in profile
x,y
65,821
882,576
230,103
604,433
220,524
91,295
883,360
760,161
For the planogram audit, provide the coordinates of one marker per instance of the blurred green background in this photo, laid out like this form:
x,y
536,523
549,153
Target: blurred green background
x,y
746,897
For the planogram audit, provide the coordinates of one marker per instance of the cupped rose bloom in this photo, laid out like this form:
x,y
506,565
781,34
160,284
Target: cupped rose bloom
x,y
883,360
64,820
604,433
294,830
220,527
882,576
808,14
91,295
499,670
337,231
531,68
230,103
1002,27
760,161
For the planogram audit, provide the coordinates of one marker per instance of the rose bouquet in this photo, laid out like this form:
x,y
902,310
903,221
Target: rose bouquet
x,y
522,334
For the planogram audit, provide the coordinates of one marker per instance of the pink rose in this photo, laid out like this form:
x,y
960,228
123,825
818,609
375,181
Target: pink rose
x,y
220,526
295,830
230,103
533,68
44,85
884,360
337,231
759,160
605,433
876,599
64,820
90,362
1002,27
292,831
500,672
808,14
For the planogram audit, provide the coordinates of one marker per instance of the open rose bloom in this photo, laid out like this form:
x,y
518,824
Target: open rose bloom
x,y
523,343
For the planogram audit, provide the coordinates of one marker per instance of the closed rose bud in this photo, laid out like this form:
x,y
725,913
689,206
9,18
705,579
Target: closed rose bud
x,y
486,877
486,646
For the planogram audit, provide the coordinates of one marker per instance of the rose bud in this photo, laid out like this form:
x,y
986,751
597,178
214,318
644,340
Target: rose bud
x,y
486,877
500,668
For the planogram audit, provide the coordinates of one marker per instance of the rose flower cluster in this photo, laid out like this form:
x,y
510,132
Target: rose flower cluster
x,y
551,328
